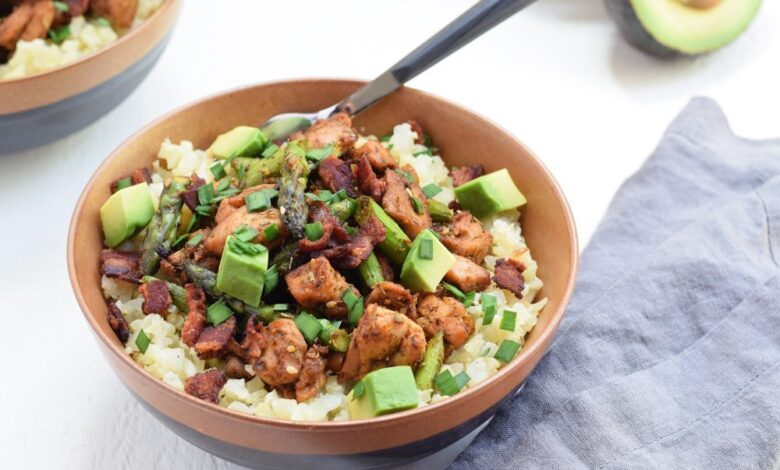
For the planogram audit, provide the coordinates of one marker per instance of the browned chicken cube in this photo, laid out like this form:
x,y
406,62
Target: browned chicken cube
x,y
259,221
119,12
336,130
398,203
376,153
447,315
283,354
466,237
467,275
316,285
393,297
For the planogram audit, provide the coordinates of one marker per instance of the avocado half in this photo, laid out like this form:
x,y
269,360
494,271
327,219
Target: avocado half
x,y
668,28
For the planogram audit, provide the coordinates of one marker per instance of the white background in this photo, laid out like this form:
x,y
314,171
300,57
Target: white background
x,y
557,75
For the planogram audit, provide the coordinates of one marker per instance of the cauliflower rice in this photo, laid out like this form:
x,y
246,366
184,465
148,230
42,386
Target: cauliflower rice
x,y
171,361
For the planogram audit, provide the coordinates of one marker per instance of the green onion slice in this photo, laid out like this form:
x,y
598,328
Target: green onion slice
x,y
257,201
431,189
319,154
245,233
445,383
206,193
142,341
507,350
418,206
218,312
354,306
308,326
271,279
461,380
508,320
125,182
195,240
272,232
61,6
218,171
358,390
314,231
426,250
270,151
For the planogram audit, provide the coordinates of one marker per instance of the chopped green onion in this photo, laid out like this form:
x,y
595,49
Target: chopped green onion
x,y
426,248
506,352
468,299
282,307
446,384
428,152
190,224
270,151
358,390
123,183
223,185
195,240
218,312
418,206
385,138
431,189
339,196
406,175
58,35
241,247
508,320
240,172
258,200
179,240
272,232
204,209
218,171
308,326
61,6
323,195
354,306
319,154
350,230
461,380
454,290
271,279
488,308
427,140
101,21
142,341
314,231
206,193
245,233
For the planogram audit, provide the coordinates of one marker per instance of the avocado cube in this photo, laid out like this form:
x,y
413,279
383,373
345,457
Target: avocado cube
x,y
126,213
426,263
387,390
488,194
242,275
243,141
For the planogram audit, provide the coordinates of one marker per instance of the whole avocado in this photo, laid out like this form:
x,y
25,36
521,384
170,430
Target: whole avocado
x,y
670,28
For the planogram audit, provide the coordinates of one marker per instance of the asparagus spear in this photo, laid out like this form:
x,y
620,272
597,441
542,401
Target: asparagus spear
x,y
260,169
163,229
178,293
396,243
286,259
334,337
432,361
343,209
371,271
292,203
202,277
265,313
439,211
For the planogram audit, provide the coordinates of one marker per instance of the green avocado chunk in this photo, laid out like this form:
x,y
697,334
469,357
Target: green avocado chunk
x,y
242,275
690,27
243,141
384,391
125,213
488,194
426,263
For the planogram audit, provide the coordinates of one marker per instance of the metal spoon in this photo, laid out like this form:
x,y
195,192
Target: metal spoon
x,y
467,27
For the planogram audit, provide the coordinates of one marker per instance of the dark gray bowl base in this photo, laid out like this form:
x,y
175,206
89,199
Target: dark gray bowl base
x,y
39,126
436,452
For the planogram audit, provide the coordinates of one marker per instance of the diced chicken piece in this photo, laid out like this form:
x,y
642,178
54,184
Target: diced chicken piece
x,y
213,340
42,18
464,174
316,285
398,204
466,237
393,296
229,205
12,27
118,323
120,13
382,338
376,154
467,275
336,130
259,221
157,299
446,314
509,275
336,174
195,322
282,357
206,385
313,376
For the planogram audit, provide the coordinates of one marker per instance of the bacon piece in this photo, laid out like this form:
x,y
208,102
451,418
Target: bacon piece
x,y
196,317
350,255
190,195
464,174
119,12
368,182
509,275
75,8
376,154
118,323
121,265
417,128
336,175
157,299
312,377
212,341
206,385
234,368
393,297
254,341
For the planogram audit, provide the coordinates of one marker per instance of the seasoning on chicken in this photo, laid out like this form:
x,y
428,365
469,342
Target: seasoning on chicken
x,y
467,275
375,154
336,130
382,338
206,385
447,315
509,275
229,205
157,299
258,221
282,357
465,236
313,376
399,203
395,297
464,174
195,322
316,285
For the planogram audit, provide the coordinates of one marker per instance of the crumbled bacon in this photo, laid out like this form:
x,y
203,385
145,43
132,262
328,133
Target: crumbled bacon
x,y
196,315
254,341
206,385
212,341
360,247
509,275
336,175
118,323
121,265
190,195
235,368
417,128
331,229
157,299
464,174
138,176
368,182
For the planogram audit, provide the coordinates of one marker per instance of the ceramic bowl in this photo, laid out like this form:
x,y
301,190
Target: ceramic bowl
x,y
464,138
44,107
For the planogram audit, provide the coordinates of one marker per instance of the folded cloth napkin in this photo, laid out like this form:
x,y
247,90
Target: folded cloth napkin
x,y
669,354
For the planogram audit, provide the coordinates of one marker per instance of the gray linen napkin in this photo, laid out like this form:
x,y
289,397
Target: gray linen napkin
x,y
669,354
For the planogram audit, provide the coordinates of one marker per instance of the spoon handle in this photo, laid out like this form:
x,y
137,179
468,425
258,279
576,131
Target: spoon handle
x,y
478,19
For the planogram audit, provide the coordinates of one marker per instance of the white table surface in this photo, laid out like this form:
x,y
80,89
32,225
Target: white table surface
x,y
557,75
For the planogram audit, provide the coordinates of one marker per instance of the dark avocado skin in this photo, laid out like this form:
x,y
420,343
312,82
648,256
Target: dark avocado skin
x,y
631,28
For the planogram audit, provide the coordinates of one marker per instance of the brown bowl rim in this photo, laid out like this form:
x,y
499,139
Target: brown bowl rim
x,y
480,389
